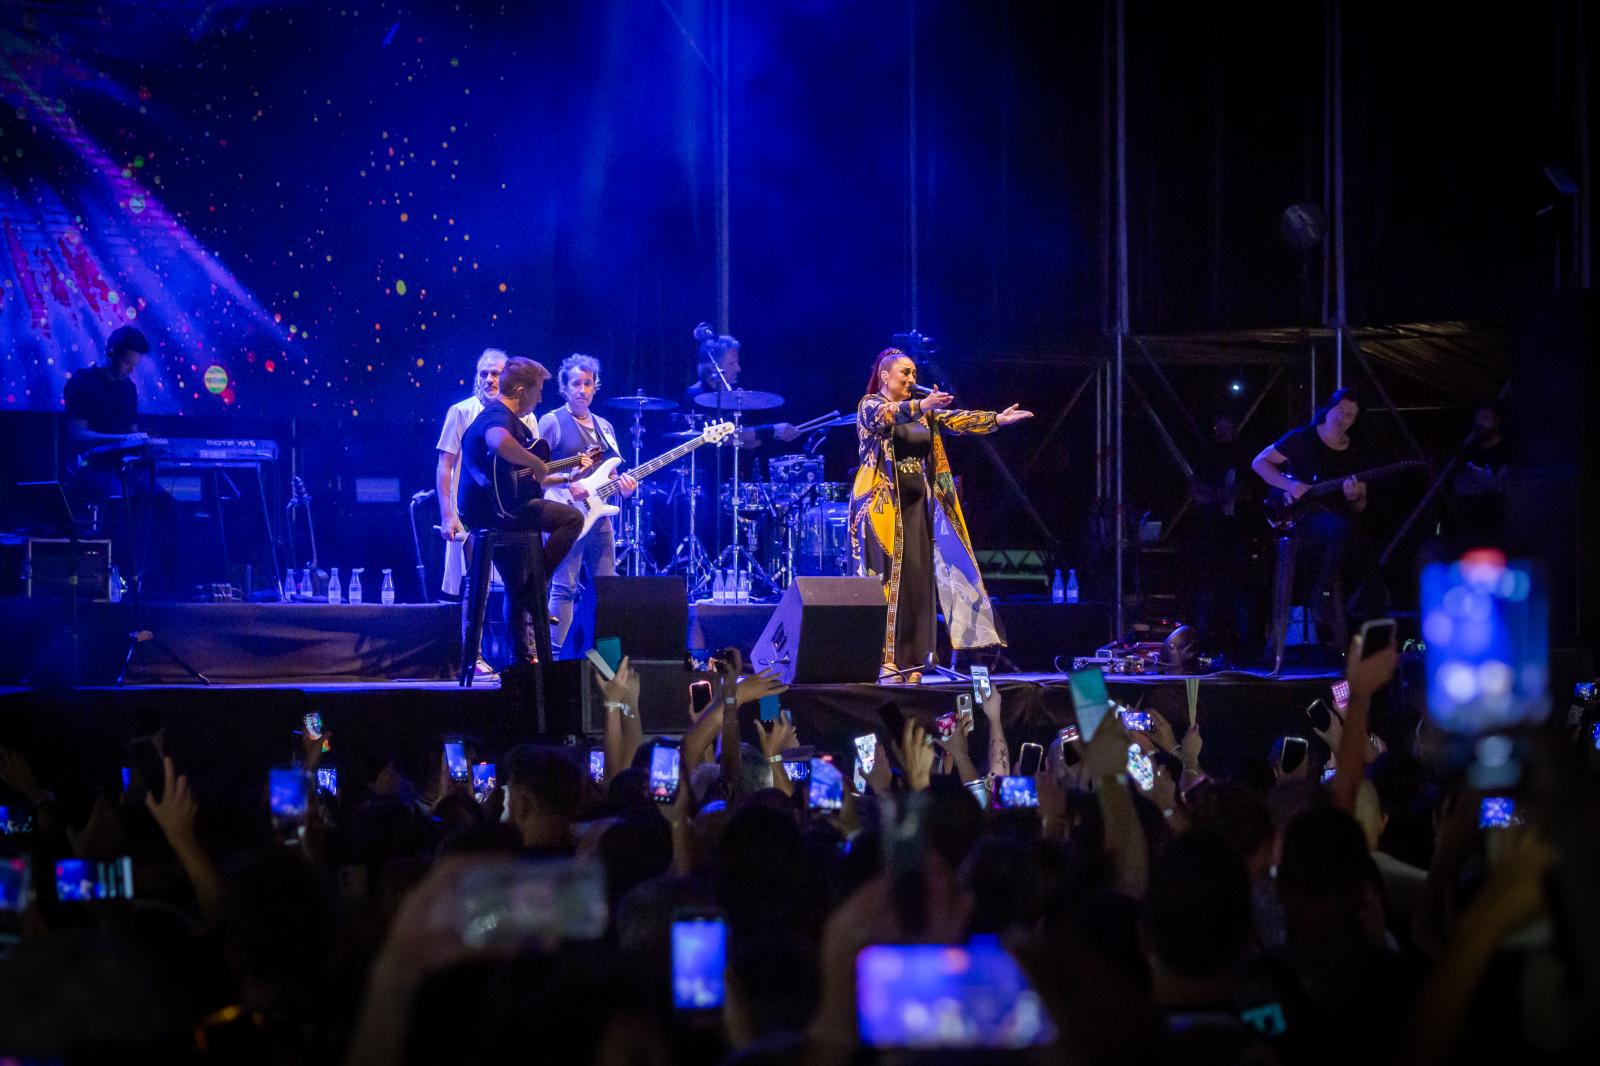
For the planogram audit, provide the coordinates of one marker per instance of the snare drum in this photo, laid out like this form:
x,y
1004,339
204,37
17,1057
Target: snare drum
x,y
754,497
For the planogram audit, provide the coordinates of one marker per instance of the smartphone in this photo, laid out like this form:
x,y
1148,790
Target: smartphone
x,y
1497,812
1028,759
455,760
518,903
867,752
483,781
1328,774
1377,634
1486,625
768,708
964,710
86,879
1341,695
610,650
827,787
981,688
1019,791
1089,700
700,695
1135,721
1585,691
328,780
313,723
15,821
1292,754
604,668
16,883
1140,768
1067,734
798,770
1319,714
947,996
664,763
286,796
699,959
597,766
945,725
127,778
1594,735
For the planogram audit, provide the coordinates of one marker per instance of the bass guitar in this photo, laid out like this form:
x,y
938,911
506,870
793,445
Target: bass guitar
x,y
1283,510
602,486
513,484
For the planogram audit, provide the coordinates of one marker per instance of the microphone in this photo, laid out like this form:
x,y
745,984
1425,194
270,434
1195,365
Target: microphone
x,y
923,390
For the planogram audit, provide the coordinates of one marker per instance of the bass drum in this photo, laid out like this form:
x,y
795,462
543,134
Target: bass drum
x,y
825,542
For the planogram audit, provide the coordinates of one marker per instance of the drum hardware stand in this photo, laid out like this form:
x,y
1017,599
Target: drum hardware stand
x,y
690,554
638,562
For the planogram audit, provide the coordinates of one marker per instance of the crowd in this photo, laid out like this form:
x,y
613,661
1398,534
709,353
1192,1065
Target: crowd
x,y
1341,901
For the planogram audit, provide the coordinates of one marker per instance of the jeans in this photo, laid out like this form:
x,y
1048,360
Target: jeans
x,y
525,603
596,555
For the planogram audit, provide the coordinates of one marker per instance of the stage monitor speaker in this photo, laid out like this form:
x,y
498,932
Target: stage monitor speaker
x,y
575,706
825,629
650,615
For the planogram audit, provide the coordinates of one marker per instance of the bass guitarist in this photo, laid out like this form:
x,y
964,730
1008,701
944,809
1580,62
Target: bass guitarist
x,y
1317,453
500,433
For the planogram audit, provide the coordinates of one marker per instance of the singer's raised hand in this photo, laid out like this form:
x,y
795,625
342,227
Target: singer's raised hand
x,y
1012,414
933,400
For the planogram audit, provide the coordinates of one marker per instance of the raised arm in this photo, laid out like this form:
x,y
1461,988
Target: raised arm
x,y
880,416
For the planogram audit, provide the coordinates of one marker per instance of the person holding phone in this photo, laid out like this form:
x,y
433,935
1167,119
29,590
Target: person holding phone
x,y
925,562
544,789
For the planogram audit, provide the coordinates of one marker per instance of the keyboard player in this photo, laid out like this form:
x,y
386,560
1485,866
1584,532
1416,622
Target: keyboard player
x,y
103,443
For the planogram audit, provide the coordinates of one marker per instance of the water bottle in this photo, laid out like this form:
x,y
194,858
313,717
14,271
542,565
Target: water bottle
x,y
334,592
719,589
114,586
291,584
355,584
387,592
1057,595
1072,586
743,587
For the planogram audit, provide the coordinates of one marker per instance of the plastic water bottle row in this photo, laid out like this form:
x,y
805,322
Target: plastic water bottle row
x,y
731,586
302,585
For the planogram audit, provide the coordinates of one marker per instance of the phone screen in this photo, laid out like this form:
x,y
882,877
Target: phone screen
x,y
699,959
1089,699
1141,768
980,683
1135,721
85,879
867,752
827,786
1019,792
1028,759
1594,735
455,759
483,781
1497,812
768,708
932,996
1485,623
797,770
15,883
664,772
700,695
1068,734
1376,636
945,725
313,722
286,794
597,766
610,649
328,779
15,820
1341,695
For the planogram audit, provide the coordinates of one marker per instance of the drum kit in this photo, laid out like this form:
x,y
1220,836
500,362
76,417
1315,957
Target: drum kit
x,y
793,524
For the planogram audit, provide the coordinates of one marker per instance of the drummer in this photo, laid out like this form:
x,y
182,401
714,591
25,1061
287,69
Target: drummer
x,y
723,352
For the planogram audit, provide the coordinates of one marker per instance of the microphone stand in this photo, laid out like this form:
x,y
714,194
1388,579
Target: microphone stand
x,y
738,442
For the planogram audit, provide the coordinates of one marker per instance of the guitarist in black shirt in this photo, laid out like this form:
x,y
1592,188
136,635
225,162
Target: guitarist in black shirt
x,y
1302,458
482,501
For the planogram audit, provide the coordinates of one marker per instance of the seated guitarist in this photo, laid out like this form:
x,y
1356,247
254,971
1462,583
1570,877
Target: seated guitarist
x,y
499,432
1317,453
569,430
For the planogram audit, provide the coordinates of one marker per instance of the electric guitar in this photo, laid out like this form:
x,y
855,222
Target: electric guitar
x,y
601,485
513,484
1283,511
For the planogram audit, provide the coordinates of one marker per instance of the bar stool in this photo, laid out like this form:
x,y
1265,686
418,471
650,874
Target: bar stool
x,y
480,558
1283,591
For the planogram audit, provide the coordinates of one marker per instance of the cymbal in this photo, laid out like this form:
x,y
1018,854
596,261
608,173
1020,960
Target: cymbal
x,y
739,400
640,402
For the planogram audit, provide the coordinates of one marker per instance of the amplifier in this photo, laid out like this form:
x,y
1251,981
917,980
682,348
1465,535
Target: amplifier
x,y
48,567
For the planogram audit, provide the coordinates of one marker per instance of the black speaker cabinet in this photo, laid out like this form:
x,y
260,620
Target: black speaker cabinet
x,y
650,615
825,629
574,705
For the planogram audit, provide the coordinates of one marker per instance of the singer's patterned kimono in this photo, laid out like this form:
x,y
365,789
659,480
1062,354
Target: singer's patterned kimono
x,y
878,523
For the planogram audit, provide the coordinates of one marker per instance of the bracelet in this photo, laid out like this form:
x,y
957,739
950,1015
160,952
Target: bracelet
x,y
729,702
623,708
775,758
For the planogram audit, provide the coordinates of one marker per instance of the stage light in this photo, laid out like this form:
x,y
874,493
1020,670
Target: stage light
x,y
1236,387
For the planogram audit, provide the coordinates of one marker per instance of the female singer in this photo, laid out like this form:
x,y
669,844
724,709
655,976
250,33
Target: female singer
x,y
906,524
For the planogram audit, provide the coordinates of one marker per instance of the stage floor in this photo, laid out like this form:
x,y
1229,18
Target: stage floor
x,y
227,733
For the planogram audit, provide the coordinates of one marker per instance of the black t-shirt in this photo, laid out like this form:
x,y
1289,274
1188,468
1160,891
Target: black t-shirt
x,y
106,404
1313,462
475,498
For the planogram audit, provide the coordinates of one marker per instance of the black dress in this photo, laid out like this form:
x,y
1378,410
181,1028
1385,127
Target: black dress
x,y
916,616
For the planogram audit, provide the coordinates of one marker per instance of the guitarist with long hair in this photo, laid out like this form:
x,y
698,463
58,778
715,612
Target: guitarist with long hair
x,y
499,442
1312,455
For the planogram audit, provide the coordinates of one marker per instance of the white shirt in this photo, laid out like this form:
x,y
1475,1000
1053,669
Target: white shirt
x,y
456,421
